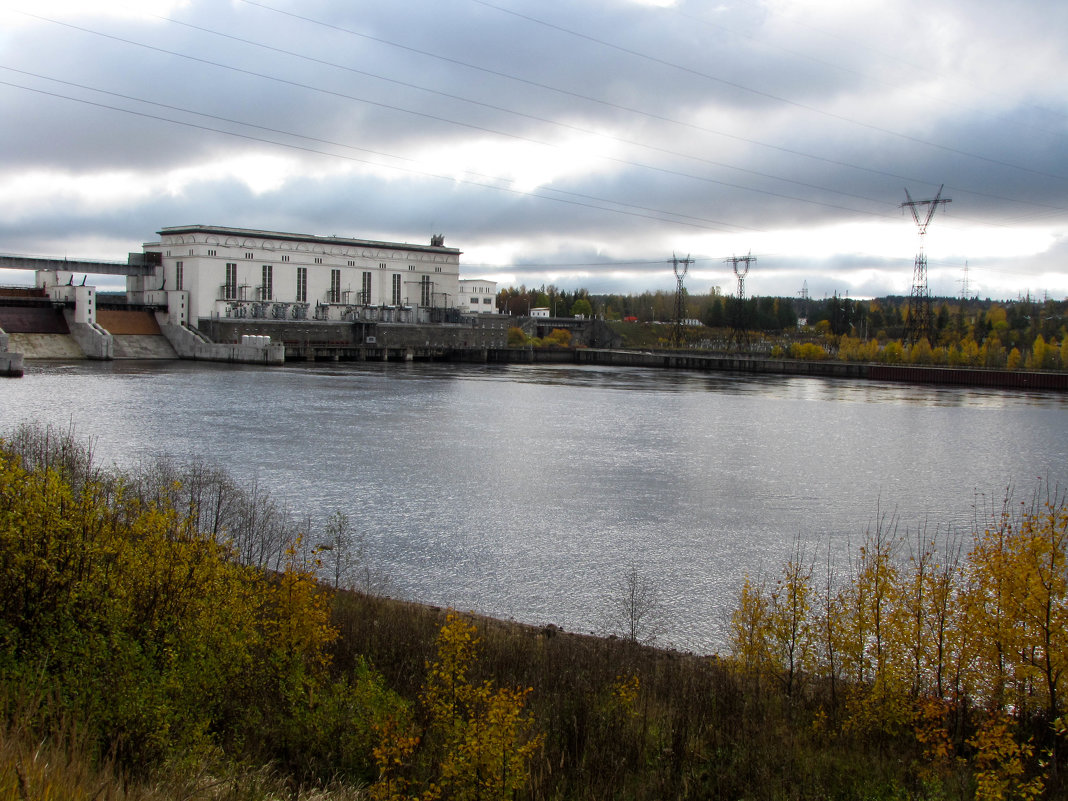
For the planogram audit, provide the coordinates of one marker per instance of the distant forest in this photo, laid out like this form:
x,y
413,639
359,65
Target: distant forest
x,y
1028,326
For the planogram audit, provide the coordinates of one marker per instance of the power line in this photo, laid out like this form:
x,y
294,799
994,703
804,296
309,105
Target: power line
x,y
655,214
648,212
1014,119
599,101
437,118
767,95
528,116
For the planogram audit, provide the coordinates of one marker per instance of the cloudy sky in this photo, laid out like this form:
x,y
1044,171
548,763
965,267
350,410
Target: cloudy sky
x,y
573,142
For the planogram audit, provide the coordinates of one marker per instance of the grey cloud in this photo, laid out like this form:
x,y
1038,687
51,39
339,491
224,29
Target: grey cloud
x,y
814,121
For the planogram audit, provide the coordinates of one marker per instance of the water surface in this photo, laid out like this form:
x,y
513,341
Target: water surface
x,y
528,491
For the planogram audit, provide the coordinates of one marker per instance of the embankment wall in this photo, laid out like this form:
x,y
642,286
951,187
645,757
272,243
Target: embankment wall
x,y
913,374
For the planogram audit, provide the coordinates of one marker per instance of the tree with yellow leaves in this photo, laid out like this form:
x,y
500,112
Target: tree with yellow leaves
x,y
475,740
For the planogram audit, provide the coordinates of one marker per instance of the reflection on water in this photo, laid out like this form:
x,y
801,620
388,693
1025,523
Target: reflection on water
x,y
526,491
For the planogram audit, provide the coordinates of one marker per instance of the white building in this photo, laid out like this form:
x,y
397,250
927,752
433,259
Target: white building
x,y
477,295
237,272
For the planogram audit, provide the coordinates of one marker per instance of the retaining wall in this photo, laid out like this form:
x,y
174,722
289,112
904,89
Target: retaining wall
x,y
1011,379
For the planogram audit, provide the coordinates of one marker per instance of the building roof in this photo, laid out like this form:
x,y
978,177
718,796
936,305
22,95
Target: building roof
x,y
289,237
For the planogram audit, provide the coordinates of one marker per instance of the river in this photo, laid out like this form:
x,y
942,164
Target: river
x,y
530,491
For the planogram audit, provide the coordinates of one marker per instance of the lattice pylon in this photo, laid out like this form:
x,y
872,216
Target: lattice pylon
x,y
918,325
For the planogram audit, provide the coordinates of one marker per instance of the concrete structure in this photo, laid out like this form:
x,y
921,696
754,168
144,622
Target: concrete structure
x,y
10,363
237,272
477,295
244,295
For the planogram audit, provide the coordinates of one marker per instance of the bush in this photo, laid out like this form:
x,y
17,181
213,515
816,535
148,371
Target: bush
x,y
150,634
807,350
558,337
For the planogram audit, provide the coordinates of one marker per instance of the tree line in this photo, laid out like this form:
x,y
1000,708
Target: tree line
x,y
1026,333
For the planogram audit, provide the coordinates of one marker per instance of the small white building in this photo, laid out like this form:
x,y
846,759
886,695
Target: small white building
x,y
237,272
477,295
539,311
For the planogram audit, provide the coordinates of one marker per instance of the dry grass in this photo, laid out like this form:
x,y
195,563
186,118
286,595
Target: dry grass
x,y
61,769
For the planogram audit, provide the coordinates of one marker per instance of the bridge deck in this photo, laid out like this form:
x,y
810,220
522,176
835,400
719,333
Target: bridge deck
x,y
75,266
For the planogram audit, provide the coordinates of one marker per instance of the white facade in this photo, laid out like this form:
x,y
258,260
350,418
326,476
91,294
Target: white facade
x,y
477,295
236,272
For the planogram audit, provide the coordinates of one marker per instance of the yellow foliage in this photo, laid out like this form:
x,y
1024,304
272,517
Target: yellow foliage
x,y
749,641
1001,763
930,726
807,350
893,353
477,739
625,693
560,337
851,349
789,621
155,635
920,353
297,612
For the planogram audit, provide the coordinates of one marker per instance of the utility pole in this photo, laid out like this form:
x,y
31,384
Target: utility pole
x,y
918,326
681,267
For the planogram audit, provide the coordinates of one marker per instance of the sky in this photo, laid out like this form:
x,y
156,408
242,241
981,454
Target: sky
x,y
575,143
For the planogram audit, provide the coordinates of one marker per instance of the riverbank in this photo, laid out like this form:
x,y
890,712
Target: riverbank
x,y
675,360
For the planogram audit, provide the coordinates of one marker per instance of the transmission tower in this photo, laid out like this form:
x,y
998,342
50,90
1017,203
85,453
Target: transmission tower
x,y
681,267
802,312
741,270
739,324
918,325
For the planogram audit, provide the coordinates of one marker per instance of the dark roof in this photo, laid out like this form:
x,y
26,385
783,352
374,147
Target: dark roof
x,y
321,240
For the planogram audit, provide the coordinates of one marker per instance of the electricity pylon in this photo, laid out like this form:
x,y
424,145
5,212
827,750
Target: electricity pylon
x,y
739,323
681,267
918,326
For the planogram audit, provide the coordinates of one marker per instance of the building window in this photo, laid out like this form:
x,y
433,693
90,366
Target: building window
x,y
437,269
302,285
335,286
411,267
366,290
179,275
396,289
230,290
352,264
212,253
474,300
285,257
487,301
267,287
250,255
424,291
318,260
381,265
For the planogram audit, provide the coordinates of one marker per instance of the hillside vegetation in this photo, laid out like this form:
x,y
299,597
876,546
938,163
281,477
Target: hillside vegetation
x,y
164,635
